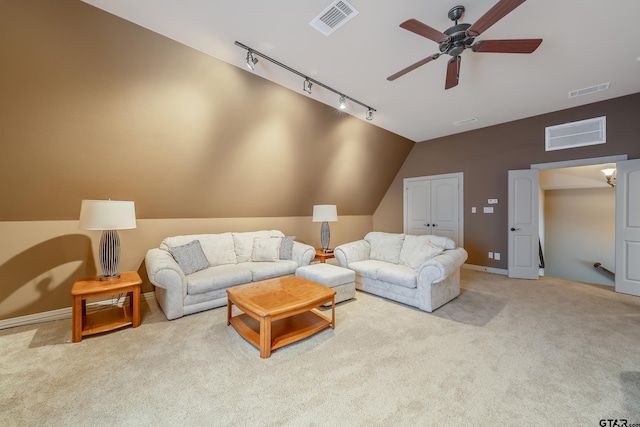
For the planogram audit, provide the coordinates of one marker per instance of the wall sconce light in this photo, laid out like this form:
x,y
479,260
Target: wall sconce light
x,y
369,114
609,174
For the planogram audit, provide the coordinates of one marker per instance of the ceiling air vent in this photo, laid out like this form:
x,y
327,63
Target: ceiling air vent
x,y
589,90
333,17
576,134
466,121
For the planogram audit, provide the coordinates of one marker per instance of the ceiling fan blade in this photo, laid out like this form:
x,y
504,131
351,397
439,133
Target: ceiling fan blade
x,y
413,67
453,72
424,30
493,15
507,46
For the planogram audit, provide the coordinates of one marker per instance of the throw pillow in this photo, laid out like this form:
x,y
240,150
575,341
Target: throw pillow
x,y
286,247
266,249
190,257
423,252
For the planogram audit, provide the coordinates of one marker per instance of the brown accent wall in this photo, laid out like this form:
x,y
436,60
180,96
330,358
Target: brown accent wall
x,y
93,106
486,155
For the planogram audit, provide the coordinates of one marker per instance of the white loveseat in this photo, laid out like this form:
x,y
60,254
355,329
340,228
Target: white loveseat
x,y
192,273
420,271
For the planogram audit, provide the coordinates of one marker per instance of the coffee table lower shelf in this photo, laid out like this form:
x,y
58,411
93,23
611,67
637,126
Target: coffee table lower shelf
x,y
283,331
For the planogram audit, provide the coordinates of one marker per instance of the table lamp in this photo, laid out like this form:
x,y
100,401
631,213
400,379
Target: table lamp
x,y
325,214
109,216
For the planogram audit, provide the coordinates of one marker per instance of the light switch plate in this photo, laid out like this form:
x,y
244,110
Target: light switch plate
x,y
488,209
473,209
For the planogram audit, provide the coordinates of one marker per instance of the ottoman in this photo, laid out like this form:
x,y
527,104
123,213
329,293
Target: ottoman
x,y
341,280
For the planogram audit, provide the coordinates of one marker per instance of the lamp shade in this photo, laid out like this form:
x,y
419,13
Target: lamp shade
x,y
107,215
325,213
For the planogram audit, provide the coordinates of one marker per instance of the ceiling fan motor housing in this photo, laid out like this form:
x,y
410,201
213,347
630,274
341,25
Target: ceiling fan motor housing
x,y
458,41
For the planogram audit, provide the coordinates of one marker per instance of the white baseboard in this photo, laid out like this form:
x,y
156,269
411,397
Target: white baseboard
x,y
62,313
486,269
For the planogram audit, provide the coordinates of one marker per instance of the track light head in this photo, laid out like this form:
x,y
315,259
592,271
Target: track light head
x,y
343,102
306,86
251,60
369,115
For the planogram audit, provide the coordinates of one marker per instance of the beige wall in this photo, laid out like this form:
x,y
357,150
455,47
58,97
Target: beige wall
x,y
40,260
486,155
95,107
580,231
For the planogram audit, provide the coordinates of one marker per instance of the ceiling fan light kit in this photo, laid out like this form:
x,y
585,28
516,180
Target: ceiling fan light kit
x,y
456,39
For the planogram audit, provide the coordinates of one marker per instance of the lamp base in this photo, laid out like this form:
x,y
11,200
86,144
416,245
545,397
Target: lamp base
x,y
325,235
107,278
109,254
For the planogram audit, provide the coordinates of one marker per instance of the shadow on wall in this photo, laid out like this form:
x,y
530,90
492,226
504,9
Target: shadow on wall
x,y
37,264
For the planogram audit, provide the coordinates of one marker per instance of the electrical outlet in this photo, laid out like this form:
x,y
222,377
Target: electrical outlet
x,y
496,256
492,201
490,255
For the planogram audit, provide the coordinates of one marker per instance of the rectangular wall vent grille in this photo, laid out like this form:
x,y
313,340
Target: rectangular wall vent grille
x,y
576,134
589,90
333,17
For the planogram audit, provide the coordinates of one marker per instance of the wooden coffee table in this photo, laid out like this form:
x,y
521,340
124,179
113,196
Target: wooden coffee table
x,y
280,311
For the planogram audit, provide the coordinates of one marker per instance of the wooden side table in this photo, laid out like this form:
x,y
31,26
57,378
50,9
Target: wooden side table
x,y
108,319
323,256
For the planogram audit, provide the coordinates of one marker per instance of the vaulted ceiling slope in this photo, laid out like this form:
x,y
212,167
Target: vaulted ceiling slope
x,y
95,107
585,43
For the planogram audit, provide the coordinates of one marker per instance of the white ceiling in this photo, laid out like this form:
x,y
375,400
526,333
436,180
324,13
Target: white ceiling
x,y
586,43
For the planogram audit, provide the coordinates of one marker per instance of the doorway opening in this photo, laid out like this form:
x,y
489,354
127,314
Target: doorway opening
x,y
577,219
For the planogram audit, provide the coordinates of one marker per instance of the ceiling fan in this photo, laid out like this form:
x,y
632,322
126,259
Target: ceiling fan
x,y
460,37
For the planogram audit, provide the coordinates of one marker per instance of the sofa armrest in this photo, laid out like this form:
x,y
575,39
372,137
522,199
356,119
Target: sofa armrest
x,y
439,267
302,253
352,252
164,272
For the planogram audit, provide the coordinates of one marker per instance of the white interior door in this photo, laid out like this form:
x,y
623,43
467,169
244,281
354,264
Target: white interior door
x,y
444,208
523,224
417,207
433,205
628,227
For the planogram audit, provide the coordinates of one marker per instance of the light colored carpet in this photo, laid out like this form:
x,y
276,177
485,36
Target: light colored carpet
x,y
506,352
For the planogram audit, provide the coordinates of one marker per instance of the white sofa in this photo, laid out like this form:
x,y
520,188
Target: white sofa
x,y
192,273
420,271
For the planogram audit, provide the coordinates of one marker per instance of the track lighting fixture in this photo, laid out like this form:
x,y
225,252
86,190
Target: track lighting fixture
x,y
306,86
343,102
251,60
307,83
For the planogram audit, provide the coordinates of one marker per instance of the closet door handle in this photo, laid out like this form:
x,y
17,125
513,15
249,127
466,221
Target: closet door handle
x,y
514,229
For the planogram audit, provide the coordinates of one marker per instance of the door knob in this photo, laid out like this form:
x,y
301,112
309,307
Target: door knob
x,y
435,225
514,229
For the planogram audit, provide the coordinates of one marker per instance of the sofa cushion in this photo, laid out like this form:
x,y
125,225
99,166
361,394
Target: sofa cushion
x,y
190,257
218,277
424,251
266,249
412,242
286,247
269,270
385,246
218,248
243,242
368,268
398,274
